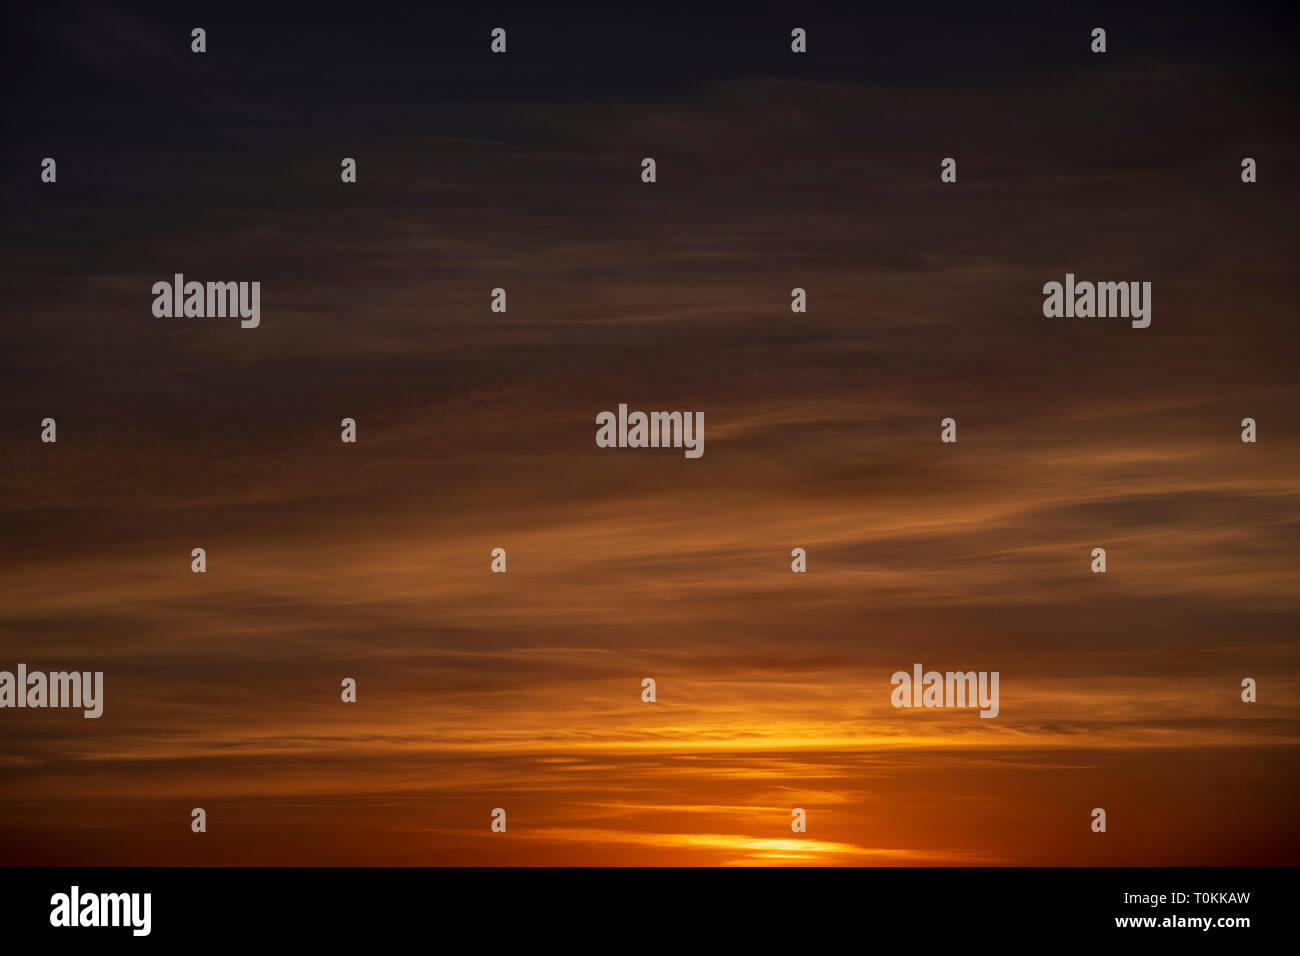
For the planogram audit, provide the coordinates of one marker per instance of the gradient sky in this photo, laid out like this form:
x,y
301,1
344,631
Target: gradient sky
x,y
476,430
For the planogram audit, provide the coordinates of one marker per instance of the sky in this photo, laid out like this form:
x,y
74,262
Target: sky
x,y
475,430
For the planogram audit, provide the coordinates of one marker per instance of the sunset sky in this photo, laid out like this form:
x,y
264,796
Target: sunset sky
x,y
476,431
